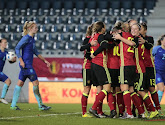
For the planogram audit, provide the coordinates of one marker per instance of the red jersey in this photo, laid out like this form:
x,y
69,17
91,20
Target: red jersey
x,y
87,62
113,58
139,57
101,58
148,58
126,51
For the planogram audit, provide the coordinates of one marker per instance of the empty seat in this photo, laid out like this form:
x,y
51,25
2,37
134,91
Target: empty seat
x,y
41,28
102,8
150,5
90,8
115,6
68,6
2,6
57,6
22,7
58,20
44,8
11,5
65,28
138,7
79,5
126,7
1,20
34,7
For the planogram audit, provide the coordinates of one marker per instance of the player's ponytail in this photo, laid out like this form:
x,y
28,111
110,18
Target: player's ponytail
x,y
118,25
27,25
89,30
160,39
97,27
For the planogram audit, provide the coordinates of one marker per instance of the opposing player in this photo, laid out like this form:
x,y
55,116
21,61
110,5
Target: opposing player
x,y
159,53
27,45
4,78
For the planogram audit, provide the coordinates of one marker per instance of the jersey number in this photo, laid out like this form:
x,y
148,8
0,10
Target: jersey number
x,y
152,82
142,47
130,49
116,51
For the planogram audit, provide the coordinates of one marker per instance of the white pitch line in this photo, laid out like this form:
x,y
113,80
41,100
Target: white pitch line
x,y
40,115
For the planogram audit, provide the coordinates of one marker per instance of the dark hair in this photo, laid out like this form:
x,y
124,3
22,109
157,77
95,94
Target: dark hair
x,y
160,39
130,20
114,29
144,25
97,26
118,25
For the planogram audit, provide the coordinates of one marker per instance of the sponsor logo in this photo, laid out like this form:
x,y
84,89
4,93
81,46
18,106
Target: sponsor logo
x,y
54,68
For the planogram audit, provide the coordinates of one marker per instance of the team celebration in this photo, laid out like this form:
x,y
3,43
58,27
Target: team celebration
x,y
121,60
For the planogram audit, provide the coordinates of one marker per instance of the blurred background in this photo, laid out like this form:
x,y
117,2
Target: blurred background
x,y
62,25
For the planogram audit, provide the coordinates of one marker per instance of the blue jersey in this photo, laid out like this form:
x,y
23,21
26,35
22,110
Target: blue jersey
x,y
27,44
159,54
2,59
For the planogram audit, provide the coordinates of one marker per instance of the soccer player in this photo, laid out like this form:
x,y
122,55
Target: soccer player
x,y
140,67
87,77
100,73
128,70
27,45
159,53
149,75
112,60
86,71
114,69
3,77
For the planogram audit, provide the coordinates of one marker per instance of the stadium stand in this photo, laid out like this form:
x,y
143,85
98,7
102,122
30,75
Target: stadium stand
x,y
62,23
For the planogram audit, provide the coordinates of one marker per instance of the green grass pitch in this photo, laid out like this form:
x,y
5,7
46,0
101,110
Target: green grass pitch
x,y
61,114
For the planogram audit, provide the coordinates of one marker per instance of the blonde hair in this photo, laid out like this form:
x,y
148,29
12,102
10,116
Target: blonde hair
x,y
89,30
125,27
27,25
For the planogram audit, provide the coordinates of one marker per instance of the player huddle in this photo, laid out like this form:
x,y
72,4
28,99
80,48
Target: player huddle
x,y
121,66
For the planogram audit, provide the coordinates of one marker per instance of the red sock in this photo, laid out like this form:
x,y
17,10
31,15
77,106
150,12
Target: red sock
x,y
141,101
148,103
99,108
114,99
99,99
84,100
127,101
110,101
137,103
155,99
120,102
